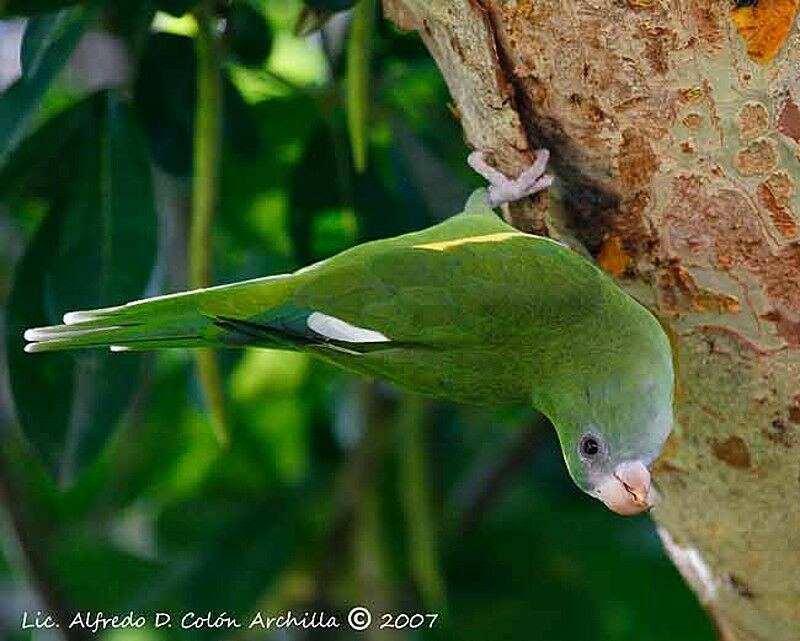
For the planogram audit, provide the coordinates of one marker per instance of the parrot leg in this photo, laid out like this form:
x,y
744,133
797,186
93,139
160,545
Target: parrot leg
x,y
506,190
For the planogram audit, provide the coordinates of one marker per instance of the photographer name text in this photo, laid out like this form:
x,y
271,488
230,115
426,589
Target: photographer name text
x,y
357,618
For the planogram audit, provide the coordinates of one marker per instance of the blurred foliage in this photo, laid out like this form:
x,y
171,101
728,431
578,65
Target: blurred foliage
x,y
333,492
46,46
96,247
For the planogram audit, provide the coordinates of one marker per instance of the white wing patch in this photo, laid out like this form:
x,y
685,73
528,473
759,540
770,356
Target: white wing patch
x,y
339,330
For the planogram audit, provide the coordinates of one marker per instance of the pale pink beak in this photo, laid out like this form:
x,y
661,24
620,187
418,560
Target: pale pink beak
x,y
626,491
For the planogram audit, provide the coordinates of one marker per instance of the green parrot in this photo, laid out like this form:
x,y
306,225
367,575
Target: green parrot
x,y
470,310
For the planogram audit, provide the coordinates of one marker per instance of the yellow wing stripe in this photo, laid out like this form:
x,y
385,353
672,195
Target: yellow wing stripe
x,y
488,238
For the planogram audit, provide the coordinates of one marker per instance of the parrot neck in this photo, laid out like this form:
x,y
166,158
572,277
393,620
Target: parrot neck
x,y
478,203
559,407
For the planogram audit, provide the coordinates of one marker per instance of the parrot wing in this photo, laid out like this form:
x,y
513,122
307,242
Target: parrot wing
x,y
472,281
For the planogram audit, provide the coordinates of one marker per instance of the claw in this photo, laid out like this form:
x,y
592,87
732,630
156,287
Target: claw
x,y
505,190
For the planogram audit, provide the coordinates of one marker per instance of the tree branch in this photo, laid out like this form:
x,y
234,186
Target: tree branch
x,y
676,154
205,192
414,487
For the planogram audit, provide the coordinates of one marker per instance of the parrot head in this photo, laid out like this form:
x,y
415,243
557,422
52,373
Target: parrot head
x,y
611,433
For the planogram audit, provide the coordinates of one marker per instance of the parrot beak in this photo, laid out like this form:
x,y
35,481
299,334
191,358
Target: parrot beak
x,y
626,491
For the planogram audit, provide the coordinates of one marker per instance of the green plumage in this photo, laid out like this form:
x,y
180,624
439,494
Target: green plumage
x,y
469,310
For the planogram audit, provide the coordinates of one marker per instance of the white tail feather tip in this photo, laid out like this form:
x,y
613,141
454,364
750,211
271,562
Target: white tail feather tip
x,y
57,333
72,318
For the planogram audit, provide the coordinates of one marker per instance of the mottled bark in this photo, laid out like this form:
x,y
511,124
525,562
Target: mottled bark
x,y
674,127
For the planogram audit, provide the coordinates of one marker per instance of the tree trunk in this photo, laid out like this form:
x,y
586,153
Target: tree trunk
x,y
674,127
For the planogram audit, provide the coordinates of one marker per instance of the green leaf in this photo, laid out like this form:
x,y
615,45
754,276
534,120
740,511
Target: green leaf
x,y
36,7
254,212
46,47
36,169
165,96
248,35
316,13
256,191
330,5
176,7
314,189
241,544
359,54
95,248
98,575
130,20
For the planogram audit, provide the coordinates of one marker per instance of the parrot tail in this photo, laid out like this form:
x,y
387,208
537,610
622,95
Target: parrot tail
x,y
174,320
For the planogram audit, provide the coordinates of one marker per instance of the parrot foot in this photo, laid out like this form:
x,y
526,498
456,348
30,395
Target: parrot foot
x,y
506,190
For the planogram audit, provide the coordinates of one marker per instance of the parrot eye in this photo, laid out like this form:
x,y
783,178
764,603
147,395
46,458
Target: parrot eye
x,y
589,446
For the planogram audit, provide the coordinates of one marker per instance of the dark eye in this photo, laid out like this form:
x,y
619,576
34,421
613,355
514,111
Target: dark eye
x,y
590,446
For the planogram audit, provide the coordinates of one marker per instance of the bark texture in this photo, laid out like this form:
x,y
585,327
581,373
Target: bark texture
x,y
675,132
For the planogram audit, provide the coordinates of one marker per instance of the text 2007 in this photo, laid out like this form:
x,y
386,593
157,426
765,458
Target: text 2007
x,y
403,621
